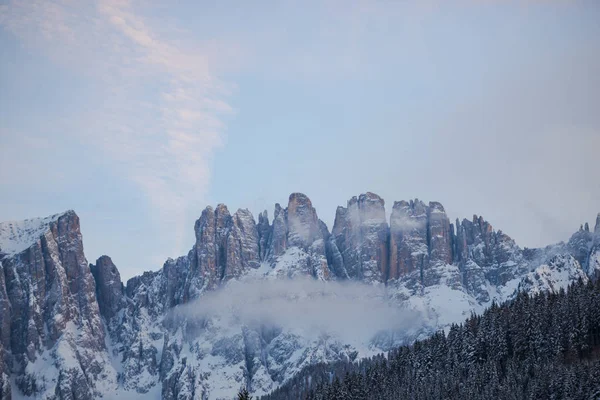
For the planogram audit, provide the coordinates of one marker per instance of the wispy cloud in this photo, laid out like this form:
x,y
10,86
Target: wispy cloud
x,y
160,105
308,306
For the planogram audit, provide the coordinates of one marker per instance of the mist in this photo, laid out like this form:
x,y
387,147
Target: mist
x,y
352,312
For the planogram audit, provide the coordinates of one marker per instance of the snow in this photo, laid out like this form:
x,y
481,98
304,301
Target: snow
x,y
120,394
594,263
320,322
16,236
558,273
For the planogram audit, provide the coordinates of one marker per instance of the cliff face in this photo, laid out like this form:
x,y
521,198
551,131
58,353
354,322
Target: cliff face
x,y
297,241
72,330
48,302
361,235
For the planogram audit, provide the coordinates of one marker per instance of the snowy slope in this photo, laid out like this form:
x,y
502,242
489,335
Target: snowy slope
x,y
16,236
252,304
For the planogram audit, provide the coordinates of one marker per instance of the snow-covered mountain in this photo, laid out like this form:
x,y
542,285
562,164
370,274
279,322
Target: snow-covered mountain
x,y
253,302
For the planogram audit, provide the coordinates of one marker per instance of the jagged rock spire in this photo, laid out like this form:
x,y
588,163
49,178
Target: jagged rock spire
x,y
110,291
361,238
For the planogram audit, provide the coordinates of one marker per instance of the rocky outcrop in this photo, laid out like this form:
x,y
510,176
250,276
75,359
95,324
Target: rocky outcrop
x,y
226,247
264,234
495,252
440,235
49,293
279,234
302,221
409,253
360,233
558,272
298,240
55,308
110,291
579,244
592,264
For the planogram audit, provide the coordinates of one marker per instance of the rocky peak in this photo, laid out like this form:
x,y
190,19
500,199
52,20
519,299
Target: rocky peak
x,y
372,208
44,277
264,234
579,245
223,220
50,292
110,291
409,252
302,220
495,255
279,232
207,249
225,246
297,241
242,245
360,234
593,259
477,235
440,234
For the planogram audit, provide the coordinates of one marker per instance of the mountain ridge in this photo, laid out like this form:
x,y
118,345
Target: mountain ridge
x,y
129,346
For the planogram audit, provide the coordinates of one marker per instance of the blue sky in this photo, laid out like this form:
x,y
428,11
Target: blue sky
x,y
138,114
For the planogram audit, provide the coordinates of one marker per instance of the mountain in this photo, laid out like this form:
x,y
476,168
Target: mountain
x,y
543,346
254,302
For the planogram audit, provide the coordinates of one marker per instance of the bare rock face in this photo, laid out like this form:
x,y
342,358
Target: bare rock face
x,y
302,221
279,233
421,243
264,234
110,291
298,240
209,248
225,247
579,244
485,255
440,234
592,264
495,252
360,233
48,301
55,308
409,253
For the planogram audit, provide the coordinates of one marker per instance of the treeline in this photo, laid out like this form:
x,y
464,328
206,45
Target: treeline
x,y
545,346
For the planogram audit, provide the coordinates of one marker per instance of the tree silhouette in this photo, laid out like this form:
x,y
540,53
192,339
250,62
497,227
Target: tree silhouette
x,y
243,394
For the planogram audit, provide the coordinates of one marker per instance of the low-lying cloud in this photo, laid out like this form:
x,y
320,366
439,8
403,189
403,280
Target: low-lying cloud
x,y
350,311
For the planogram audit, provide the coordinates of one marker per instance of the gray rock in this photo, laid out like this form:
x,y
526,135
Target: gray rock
x,y
360,234
279,233
264,234
409,254
110,291
53,305
47,289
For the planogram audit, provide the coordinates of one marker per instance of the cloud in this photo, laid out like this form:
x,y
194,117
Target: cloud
x,y
159,106
306,306
405,223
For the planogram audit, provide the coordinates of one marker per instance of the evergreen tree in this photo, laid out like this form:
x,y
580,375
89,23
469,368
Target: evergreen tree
x,y
544,346
243,394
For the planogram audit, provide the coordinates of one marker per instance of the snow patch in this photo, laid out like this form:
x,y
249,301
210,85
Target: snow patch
x,y
16,236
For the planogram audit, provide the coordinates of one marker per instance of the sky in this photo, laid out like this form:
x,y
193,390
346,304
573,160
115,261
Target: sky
x,y
139,114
